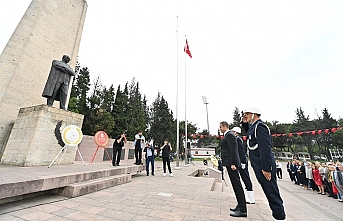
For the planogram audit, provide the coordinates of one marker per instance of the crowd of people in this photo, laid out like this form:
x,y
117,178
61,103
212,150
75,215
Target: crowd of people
x,y
322,178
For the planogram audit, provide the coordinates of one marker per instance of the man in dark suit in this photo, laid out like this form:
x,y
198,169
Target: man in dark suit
x,y
243,170
262,159
232,162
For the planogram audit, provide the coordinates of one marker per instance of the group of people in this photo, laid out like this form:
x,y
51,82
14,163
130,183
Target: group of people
x,y
233,157
141,146
323,178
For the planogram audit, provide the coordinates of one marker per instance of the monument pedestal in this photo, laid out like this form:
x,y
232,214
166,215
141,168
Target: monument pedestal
x,y
33,141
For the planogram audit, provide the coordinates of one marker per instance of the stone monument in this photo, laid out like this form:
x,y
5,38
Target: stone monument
x,y
47,30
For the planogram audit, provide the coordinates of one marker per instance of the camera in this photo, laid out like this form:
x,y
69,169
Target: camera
x,y
124,132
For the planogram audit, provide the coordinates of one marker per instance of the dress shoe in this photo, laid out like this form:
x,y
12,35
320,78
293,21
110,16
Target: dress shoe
x,y
147,174
233,209
238,214
118,164
152,174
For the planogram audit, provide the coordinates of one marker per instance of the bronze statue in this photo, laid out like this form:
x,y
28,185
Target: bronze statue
x,y
57,85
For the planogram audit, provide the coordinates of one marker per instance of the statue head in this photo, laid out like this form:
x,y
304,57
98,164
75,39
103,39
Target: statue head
x,y
66,58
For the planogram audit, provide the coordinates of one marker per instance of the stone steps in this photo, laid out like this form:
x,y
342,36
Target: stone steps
x,y
28,183
90,186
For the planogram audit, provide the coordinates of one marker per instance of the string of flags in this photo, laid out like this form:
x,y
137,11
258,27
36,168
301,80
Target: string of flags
x,y
292,134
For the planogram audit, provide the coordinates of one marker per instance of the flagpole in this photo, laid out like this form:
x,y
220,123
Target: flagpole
x,y
177,96
186,151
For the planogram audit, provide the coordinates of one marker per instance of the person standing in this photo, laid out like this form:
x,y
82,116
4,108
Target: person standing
x,y
230,159
149,156
166,148
279,169
117,147
262,159
288,166
139,145
243,170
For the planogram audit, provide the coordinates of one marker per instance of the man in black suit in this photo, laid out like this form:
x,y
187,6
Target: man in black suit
x,y
231,161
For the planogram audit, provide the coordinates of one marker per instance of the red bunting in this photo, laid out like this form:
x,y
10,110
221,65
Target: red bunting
x,y
333,130
290,135
244,137
313,132
319,131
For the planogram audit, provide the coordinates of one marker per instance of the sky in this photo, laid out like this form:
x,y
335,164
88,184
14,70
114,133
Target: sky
x,y
274,55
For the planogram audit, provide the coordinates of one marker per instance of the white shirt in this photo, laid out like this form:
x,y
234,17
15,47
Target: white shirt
x,y
278,165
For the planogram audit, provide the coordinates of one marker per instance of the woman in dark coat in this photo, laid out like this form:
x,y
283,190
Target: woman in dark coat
x,y
302,174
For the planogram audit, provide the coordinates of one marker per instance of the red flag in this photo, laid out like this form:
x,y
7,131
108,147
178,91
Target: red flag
x,y
186,49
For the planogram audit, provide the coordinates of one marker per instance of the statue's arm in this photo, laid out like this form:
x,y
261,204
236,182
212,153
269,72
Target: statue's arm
x,y
63,67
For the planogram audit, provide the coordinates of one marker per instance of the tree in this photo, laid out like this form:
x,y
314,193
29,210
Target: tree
x,y
301,123
98,118
324,140
136,110
161,122
80,88
337,137
237,117
121,107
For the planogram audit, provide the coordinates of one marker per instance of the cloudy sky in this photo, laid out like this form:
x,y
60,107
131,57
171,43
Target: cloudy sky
x,y
276,55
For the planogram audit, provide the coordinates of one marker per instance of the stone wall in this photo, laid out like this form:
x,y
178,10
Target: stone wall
x,y
48,29
88,147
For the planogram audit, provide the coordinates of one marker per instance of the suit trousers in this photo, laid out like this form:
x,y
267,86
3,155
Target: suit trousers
x,y
116,155
166,161
246,177
138,155
238,189
271,190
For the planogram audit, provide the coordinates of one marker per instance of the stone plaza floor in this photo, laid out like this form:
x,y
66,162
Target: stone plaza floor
x,y
150,198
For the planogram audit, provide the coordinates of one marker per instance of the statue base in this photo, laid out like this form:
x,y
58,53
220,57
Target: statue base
x,y
33,139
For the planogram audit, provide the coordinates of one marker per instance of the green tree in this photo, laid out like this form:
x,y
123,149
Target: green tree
x,y
161,122
136,112
236,119
300,124
324,140
120,111
78,96
337,137
98,118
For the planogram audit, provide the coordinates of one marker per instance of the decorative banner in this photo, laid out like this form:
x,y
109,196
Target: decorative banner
x,y
293,134
72,135
101,138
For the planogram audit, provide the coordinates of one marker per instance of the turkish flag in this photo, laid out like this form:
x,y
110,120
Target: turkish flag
x,y
186,49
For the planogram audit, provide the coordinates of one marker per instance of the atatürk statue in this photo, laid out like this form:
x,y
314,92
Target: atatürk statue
x,y
57,85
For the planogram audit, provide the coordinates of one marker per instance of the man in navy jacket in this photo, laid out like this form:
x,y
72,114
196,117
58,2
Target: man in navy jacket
x,y
262,159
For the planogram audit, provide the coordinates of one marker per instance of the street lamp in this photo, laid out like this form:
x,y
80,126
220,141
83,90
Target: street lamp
x,y
204,100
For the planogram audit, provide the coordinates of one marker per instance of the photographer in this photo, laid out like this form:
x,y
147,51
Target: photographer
x,y
117,147
139,145
149,156
166,148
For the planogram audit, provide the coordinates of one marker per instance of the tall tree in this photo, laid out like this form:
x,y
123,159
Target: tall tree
x,y
98,118
324,140
161,121
301,123
120,112
236,119
78,97
136,112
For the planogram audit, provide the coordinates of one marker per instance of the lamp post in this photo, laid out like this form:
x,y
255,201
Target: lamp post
x,y
204,100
